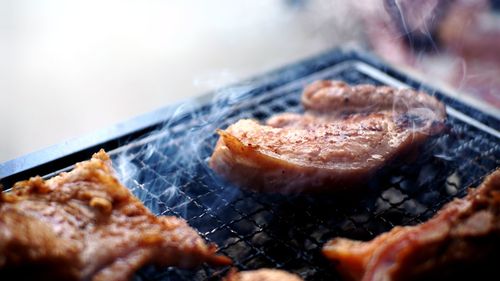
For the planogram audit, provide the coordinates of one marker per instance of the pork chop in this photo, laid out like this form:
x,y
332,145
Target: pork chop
x,y
264,274
462,239
85,225
346,134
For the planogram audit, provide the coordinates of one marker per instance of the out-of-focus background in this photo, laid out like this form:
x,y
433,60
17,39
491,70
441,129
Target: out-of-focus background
x,y
68,68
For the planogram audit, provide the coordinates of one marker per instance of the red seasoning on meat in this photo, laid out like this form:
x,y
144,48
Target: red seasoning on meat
x,y
462,239
346,134
85,225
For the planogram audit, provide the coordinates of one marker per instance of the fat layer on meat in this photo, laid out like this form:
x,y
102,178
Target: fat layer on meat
x,y
85,225
461,242
264,274
346,134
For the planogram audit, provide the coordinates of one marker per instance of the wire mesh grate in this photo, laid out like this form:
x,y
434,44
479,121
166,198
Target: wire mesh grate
x,y
287,232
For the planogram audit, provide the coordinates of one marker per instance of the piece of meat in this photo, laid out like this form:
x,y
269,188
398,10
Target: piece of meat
x,y
265,274
463,235
346,134
85,225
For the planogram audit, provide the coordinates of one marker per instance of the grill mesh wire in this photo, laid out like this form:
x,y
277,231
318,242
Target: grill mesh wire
x,y
287,232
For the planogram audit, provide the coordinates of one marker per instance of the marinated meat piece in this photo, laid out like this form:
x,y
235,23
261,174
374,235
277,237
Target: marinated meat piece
x,y
463,235
84,225
345,135
264,274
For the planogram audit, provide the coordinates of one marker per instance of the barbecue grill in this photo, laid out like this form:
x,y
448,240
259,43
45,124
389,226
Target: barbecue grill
x,y
162,157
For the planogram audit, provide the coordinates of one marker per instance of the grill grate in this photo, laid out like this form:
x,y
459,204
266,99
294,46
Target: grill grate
x,y
167,170
260,230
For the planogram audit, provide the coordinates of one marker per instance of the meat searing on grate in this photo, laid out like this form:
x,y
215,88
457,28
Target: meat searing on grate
x,y
461,242
265,274
85,225
346,134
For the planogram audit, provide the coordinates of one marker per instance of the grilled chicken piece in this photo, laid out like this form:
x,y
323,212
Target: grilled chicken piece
x,y
84,225
463,235
264,274
345,135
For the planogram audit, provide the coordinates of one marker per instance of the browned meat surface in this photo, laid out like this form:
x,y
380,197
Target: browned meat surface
x,y
345,135
462,239
84,225
264,274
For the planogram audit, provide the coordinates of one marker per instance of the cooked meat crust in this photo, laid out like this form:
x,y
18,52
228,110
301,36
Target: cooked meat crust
x,y
84,225
345,135
463,235
264,274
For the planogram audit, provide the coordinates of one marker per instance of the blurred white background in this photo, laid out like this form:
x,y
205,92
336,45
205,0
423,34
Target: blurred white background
x,y
68,68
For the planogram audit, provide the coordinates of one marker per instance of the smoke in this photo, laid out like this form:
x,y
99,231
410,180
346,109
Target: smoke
x,y
161,165
183,147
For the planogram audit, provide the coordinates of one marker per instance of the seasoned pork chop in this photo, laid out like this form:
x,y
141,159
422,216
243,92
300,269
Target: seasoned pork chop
x,y
459,241
345,135
264,274
84,225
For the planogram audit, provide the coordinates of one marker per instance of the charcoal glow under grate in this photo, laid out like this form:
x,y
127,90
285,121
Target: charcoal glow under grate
x,y
287,232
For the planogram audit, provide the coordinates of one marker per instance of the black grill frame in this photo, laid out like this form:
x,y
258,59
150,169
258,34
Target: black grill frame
x,y
260,230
